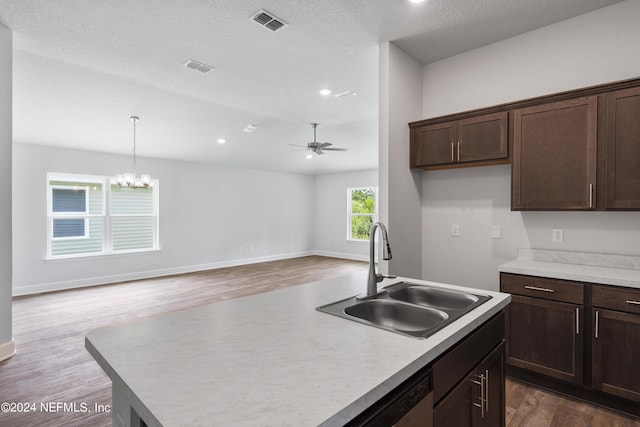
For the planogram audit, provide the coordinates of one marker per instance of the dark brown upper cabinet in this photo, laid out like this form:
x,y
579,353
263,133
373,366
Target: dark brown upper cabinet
x,y
622,153
466,142
554,156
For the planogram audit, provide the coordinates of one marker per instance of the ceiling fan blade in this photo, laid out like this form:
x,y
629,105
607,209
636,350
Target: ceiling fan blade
x,y
335,149
323,144
301,146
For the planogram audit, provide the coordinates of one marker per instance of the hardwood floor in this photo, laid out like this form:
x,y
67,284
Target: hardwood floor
x,y
533,407
53,368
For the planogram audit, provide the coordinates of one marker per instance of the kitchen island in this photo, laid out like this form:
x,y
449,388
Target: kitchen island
x,y
266,359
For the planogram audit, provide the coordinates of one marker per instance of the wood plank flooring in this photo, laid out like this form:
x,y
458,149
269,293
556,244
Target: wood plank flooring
x,y
52,366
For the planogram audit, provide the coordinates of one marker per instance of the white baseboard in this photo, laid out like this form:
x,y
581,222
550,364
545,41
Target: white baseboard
x,y
7,350
342,255
104,280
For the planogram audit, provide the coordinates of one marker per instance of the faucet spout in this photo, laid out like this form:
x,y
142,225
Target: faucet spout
x,y
374,278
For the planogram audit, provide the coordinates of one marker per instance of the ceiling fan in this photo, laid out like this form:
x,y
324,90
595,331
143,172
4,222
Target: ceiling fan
x,y
318,147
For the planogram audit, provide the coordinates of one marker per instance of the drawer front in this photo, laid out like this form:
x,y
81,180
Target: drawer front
x,y
614,298
541,287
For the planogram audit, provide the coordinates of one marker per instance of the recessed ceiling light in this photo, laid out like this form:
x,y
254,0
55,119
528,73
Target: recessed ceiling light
x,y
416,1
222,141
325,92
309,156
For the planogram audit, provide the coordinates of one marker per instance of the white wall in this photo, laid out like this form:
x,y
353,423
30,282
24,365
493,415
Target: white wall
x,y
331,214
400,103
209,217
6,47
594,48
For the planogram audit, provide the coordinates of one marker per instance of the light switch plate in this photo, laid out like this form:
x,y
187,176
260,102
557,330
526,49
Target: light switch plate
x,y
496,232
455,230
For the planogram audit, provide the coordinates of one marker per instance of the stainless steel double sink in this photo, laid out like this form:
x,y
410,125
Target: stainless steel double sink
x,y
407,308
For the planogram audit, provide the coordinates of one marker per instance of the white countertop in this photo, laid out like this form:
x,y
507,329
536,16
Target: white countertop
x,y
269,359
605,269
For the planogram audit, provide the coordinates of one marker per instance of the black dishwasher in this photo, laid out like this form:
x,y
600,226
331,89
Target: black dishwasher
x,y
408,405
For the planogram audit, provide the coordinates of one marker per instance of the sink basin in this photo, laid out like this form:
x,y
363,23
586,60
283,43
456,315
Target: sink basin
x,y
407,308
433,297
410,319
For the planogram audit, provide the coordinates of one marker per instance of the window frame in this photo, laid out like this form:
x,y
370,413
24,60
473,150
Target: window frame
x,y
68,214
350,214
105,215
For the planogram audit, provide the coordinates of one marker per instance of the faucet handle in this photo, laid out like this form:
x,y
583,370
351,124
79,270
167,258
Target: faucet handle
x,y
381,277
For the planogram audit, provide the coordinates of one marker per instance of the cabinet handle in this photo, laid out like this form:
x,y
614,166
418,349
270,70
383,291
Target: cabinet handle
x,y
452,158
577,321
480,405
535,288
633,302
597,316
458,150
486,393
590,195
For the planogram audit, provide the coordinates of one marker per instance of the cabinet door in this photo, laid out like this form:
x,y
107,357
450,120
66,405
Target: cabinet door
x,y
482,138
434,144
479,400
457,408
616,346
546,337
494,394
554,156
623,150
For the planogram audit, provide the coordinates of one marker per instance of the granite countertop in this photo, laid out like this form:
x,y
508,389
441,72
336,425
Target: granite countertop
x,y
269,359
605,269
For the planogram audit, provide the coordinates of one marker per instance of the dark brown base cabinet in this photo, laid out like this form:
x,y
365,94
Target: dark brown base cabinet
x,y
476,398
479,400
616,341
584,335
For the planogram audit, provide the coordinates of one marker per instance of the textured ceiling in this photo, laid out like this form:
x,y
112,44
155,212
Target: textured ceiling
x,y
82,67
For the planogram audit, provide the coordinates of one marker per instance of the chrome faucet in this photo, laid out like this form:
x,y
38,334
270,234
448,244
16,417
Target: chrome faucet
x,y
374,278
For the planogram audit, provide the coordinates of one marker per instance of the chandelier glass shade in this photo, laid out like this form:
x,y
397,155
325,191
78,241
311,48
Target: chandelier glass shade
x,y
130,179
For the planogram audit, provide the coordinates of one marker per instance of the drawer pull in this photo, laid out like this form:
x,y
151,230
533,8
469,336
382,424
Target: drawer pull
x,y
633,302
535,288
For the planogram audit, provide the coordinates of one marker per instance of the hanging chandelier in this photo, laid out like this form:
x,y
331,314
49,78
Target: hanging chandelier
x,y
129,179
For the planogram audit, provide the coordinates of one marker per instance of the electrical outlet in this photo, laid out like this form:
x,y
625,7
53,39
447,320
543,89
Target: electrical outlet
x,y
557,235
455,230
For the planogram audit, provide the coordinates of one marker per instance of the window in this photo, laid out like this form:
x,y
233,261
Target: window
x,y
361,209
90,215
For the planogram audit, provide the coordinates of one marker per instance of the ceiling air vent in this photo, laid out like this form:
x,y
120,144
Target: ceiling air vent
x,y
268,20
198,66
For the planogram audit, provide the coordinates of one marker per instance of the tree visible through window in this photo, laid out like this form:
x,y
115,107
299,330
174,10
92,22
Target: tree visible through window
x,y
362,212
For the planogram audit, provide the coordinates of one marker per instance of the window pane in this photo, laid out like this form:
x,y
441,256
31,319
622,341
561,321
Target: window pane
x,y
69,200
360,226
130,233
90,244
363,201
95,195
68,227
129,201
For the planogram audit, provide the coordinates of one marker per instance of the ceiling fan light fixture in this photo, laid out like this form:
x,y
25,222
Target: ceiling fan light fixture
x,y
325,92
